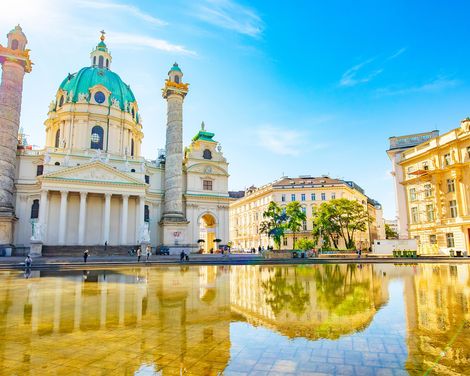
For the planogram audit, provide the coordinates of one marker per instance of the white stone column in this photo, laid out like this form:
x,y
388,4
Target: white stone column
x,y
82,218
139,221
63,216
107,217
43,207
124,215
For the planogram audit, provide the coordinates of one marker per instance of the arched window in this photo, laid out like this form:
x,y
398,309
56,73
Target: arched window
x,y
146,213
133,112
57,138
132,147
177,79
94,60
14,44
107,63
132,169
101,61
61,101
35,209
57,164
207,154
96,138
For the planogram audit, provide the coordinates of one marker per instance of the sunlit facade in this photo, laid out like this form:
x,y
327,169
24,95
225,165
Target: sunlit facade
x,y
436,180
246,213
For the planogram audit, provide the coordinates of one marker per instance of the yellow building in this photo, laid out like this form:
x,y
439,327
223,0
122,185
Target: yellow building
x,y
246,213
436,177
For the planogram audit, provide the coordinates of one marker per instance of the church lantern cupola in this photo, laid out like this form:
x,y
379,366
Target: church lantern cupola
x,y
100,56
175,74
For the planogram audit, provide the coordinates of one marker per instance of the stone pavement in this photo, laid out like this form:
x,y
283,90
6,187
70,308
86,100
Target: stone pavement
x,y
213,259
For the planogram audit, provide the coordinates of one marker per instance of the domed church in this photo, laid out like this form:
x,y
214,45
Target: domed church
x,y
90,187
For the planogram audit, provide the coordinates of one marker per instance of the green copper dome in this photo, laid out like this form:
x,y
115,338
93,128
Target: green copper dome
x,y
80,83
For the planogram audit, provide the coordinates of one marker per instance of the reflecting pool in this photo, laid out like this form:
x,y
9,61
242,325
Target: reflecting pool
x,y
237,320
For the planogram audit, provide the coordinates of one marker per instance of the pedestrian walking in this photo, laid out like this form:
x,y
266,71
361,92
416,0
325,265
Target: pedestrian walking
x,y
186,256
139,253
182,256
85,255
149,253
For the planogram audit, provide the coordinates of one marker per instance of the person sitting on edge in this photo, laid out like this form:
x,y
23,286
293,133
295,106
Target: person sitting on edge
x,y
28,262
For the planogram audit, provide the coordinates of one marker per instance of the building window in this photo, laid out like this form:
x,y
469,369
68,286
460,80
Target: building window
x,y
94,60
206,154
132,147
425,166
323,196
39,170
57,164
107,63
302,196
450,185
430,212
132,169
453,208
207,185
57,139
147,179
100,61
414,215
99,97
433,239
304,225
447,159
283,198
450,239
96,138
14,44
412,194
427,190
61,101
177,79
146,213
304,210
35,209
333,196
284,241
292,197
468,152
313,197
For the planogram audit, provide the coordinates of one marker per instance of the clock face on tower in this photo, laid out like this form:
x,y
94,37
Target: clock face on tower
x,y
99,97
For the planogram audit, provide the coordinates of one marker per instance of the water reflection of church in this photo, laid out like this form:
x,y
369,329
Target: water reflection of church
x,y
179,318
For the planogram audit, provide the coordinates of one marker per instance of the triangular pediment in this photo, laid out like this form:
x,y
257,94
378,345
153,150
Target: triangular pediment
x,y
94,172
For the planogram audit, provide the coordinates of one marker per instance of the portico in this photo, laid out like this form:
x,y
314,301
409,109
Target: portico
x,y
92,211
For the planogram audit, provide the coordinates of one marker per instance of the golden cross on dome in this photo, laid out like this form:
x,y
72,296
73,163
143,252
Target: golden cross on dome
x,y
102,34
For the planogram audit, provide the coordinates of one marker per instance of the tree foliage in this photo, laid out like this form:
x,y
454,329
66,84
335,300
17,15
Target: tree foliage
x,y
339,218
295,218
305,244
274,224
390,233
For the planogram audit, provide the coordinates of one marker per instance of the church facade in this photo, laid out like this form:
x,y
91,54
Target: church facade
x,y
90,186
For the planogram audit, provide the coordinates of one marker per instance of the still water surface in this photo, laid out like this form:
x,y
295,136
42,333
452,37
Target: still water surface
x,y
237,320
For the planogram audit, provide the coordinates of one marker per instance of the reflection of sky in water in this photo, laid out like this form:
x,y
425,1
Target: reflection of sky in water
x,y
253,320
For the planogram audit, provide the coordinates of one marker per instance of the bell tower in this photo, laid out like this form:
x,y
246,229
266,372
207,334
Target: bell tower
x,y
15,63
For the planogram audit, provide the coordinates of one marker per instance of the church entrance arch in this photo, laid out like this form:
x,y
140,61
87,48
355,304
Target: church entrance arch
x,y
207,232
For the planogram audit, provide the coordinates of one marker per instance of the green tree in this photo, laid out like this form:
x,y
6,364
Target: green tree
x,y
305,244
325,230
274,224
295,218
340,218
390,233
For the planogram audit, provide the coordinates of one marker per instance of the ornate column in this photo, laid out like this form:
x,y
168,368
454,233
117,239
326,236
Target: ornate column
x,y
174,92
107,217
82,218
124,214
15,62
43,208
63,216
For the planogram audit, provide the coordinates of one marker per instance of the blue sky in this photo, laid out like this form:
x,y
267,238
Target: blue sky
x,y
297,88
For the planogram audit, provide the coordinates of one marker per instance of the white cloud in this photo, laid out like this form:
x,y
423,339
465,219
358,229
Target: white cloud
x,y
397,53
230,15
352,76
279,140
437,84
128,9
137,40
